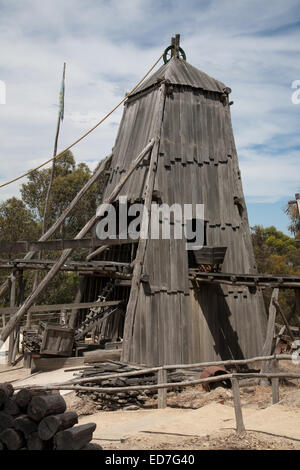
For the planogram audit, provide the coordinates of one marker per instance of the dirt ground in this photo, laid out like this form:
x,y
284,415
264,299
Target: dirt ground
x,y
193,419
196,419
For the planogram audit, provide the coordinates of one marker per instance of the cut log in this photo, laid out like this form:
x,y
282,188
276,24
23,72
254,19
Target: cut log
x,y
12,439
6,391
50,425
92,446
47,405
34,442
24,396
11,407
26,425
6,421
102,355
75,438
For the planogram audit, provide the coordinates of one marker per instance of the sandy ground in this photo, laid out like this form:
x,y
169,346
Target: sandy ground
x,y
277,426
20,376
194,419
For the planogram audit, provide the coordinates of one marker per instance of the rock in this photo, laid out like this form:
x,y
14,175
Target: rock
x,y
131,408
248,390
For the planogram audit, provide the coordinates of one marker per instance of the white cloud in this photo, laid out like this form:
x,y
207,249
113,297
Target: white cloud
x,y
251,46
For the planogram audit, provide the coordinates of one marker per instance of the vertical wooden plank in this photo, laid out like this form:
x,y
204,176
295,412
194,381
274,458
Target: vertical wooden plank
x,y
267,348
240,427
12,304
140,257
162,392
297,299
275,390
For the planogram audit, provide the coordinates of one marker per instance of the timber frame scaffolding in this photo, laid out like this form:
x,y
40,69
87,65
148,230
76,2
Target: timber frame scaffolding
x,y
170,308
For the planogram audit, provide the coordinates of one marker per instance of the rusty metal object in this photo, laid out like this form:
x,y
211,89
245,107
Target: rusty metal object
x,y
283,347
213,371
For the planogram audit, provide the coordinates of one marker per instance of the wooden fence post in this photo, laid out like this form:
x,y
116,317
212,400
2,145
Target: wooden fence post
x,y
162,378
240,427
267,348
275,390
12,304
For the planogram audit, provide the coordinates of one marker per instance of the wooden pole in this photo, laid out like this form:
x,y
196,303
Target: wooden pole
x,y
66,253
36,277
267,347
162,392
170,385
53,164
275,390
276,303
139,260
240,427
12,304
297,303
78,297
177,43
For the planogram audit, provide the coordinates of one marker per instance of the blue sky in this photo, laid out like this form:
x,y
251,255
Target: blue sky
x,y
251,46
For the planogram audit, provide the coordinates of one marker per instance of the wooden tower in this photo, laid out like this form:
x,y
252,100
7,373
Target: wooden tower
x,y
170,317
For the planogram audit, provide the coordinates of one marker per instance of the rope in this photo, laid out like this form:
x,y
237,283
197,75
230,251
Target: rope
x,y
87,133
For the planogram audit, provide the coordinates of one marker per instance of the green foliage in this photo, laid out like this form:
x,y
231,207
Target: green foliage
x,y
293,212
68,180
277,253
22,220
16,221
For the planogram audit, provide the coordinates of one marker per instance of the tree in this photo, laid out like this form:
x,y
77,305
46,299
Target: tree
x,y
22,219
68,180
293,212
277,253
17,222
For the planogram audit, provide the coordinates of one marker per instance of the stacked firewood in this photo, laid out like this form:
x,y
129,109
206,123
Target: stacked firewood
x,y
31,342
131,399
37,420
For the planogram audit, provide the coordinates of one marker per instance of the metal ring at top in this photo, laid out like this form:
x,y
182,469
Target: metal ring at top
x,y
166,60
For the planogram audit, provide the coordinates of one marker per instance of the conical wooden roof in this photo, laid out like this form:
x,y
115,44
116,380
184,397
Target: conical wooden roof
x,y
180,72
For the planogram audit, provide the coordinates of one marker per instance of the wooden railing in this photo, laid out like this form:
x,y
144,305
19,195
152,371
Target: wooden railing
x,y
162,381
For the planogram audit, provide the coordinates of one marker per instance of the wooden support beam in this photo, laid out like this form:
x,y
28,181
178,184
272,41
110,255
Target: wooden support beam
x,y
297,303
13,322
60,244
12,305
173,48
59,307
79,294
139,260
267,347
240,427
170,385
276,303
275,390
177,45
162,392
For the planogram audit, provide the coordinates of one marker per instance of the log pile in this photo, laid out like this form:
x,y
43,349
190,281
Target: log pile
x,y
130,400
38,420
